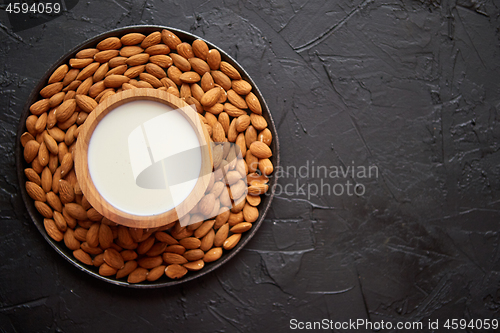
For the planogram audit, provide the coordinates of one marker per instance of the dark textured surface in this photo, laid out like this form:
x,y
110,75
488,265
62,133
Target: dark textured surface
x,y
411,87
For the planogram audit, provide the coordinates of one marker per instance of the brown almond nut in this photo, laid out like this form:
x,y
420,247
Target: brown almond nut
x,y
250,213
132,38
190,243
94,251
30,124
138,59
70,241
241,227
76,211
55,180
221,79
157,249
196,91
128,255
118,70
145,245
67,194
235,218
241,145
190,77
51,89
81,234
242,123
69,137
156,273
43,154
65,110
193,101
105,236
115,81
158,49
71,76
213,254
113,258
204,229
233,111
93,214
88,71
258,121
221,234
222,217
66,164
266,166
177,248
35,191
175,271
210,97
50,142
82,256
110,43
86,53
207,82
98,259
199,66
106,270
92,237
174,74
58,74
215,109
33,176
224,121
152,39
218,134
200,49
70,220
128,51
180,62
54,201
208,240
185,50
229,70
72,86
52,230
253,103
174,258
155,70
41,123
257,189
265,136
80,63
165,238
260,150
43,209
195,265
117,62
152,80
86,103
128,268
170,39
96,89
185,90
241,87
236,99
150,262
231,241
104,56
252,200
163,61
57,99
214,59
40,107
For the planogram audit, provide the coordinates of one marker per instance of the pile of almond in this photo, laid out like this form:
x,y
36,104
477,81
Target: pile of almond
x,y
160,60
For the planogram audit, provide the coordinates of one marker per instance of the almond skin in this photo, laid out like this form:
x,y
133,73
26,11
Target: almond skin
x,y
213,254
113,258
210,97
52,230
231,241
195,265
169,38
35,192
132,38
213,59
260,150
229,70
200,49
128,268
82,256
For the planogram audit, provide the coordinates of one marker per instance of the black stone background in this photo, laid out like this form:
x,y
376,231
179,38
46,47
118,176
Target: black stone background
x,y
409,86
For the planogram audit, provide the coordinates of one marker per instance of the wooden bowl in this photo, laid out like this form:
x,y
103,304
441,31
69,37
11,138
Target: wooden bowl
x,y
103,206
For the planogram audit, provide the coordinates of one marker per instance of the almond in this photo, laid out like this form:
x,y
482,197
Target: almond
x,y
221,234
163,61
35,192
241,227
250,213
175,271
80,63
70,241
106,270
207,82
257,189
236,99
76,211
105,236
32,176
128,255
82,256
260,150
229,70
199,66
88,71
178,249
213,59
195,265
152,80
200,49
221,79
113,258
115,81
155,70
174,258
231,241
51,90
253,103
213,254
117,70
165,238
152,39
185,50
145,245
190,243
241,87
158,49
132,38
174,74
253,200
117,62
128,51
92,236
40,107
66,164
189,77
233,111
86,53
65,110
266,166
138,59
180,62
111,43
170,39
218,133
43,209
52,230
66,193
128,268
210,97
156,273
104,56
157,249
208,240
86,103
58,74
